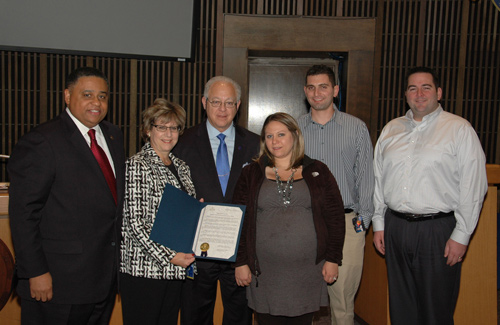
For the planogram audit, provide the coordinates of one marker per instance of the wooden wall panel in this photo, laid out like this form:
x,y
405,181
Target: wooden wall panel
x,y
366,8
481,103
459,38
319,8
32,86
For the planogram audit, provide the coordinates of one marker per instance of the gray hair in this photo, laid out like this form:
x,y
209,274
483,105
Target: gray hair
x,y
215,79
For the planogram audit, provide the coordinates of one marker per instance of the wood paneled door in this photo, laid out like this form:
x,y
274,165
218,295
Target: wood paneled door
x,y
305,38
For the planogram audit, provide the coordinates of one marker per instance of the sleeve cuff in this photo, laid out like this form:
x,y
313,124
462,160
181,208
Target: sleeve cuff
x,y
378,224
460,237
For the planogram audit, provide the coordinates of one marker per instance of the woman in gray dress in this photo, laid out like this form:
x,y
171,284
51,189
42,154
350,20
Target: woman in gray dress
x,y
293,232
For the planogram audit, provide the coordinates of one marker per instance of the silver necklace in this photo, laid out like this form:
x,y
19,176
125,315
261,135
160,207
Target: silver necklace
x,y
285,191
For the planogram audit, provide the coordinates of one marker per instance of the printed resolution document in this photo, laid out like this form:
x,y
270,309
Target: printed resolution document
x,y
210,230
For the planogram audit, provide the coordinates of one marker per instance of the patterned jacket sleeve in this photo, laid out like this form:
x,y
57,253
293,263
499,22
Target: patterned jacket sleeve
x,y
142,199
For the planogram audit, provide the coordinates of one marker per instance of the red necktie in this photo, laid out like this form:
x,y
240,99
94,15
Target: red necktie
x,y
103,161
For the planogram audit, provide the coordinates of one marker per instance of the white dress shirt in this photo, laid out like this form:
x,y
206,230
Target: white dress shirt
x,y
432,166
99,136
230,134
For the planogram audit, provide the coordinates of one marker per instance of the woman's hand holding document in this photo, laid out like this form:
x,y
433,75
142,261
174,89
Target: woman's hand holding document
x,y
210,230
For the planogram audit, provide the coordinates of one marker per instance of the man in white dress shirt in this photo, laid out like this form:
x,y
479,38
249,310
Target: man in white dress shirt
x,y
430,182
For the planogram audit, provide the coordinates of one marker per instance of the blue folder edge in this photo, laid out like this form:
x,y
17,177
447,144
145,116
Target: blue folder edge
x,y
177,219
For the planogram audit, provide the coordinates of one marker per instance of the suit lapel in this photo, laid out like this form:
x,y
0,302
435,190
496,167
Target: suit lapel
x,y
79,143
110,141
118,159
81,146
205,149
238,158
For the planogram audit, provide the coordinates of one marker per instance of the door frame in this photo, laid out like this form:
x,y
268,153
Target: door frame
x,y
295,34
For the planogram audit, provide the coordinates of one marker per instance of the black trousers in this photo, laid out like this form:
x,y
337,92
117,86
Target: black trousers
x,y
46,313
198,296
150,301
422,288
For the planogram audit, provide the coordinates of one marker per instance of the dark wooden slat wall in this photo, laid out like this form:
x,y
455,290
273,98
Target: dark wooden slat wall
x,y
481,104
459,38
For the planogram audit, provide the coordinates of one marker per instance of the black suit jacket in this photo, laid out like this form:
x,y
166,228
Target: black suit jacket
x,y
63,217
195,149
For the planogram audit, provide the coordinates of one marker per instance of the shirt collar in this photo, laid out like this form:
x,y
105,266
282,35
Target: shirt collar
x,y
83,129
213,132
336,118
427,118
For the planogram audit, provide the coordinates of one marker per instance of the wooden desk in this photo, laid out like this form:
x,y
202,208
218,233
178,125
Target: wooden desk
x,y
477,300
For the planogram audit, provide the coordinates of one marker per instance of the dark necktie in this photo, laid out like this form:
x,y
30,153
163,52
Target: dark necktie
x,y
222,163
103,161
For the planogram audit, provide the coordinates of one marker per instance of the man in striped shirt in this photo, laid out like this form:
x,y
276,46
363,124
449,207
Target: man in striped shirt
x,y
342,142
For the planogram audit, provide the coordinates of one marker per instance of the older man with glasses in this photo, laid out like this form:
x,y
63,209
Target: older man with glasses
x,y
216,151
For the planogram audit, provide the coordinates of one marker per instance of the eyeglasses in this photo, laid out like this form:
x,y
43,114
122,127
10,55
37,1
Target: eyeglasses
x,y
164,128
218,103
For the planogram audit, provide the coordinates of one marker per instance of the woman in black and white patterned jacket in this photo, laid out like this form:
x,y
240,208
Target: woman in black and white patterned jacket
x,y
151,275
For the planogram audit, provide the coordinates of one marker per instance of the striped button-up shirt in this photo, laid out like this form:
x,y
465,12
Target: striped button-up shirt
x,y
344,145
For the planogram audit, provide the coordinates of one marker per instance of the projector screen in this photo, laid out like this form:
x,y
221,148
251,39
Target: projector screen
x,y
164,29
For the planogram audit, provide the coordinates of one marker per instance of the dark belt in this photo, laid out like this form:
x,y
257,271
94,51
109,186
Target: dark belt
x,y
346,211
422,217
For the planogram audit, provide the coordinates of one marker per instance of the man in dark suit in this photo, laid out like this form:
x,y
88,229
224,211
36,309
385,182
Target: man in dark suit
x,y
200,147
65,209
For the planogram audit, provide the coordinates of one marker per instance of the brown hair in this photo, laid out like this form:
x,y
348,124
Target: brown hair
x,y
162,111
298,139
321,69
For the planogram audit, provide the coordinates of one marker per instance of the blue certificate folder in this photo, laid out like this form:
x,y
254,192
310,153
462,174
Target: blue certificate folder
x,y
177,221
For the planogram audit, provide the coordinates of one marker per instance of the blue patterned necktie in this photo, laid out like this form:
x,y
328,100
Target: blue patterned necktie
x,y
222,163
